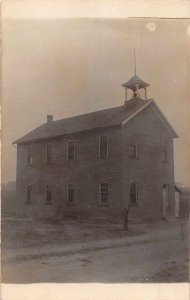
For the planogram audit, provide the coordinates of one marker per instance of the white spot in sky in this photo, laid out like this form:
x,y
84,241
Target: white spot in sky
x,y
151,26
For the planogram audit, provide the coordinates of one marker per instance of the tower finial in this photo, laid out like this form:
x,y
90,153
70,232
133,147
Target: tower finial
x,y
135,60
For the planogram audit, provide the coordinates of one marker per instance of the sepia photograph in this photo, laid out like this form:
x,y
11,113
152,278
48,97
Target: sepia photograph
x,y
95,150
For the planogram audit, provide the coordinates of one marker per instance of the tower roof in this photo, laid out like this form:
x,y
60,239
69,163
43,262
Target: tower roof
x,y
134,81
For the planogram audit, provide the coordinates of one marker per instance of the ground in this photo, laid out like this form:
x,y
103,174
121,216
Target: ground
x,y
71,251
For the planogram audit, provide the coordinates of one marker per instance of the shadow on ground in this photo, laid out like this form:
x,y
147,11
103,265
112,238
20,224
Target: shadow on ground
x,y
78,252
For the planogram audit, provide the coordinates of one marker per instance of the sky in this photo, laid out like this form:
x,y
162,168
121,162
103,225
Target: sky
x,y
67,67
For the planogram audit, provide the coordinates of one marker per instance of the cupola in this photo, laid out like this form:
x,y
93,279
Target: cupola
x,y
135,83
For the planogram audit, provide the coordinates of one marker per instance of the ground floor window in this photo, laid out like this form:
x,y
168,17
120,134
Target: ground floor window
x,y
103,192
48,194
70,193
28,194
133,193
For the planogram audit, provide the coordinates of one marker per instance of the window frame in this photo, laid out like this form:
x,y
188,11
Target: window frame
x,y
135,156
29,158
46,190
101,193
136,194
73,158
107,152
74,195
47,160
164,155
30,192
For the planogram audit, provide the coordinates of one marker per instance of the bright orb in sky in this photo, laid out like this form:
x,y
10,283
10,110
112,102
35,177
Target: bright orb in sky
x,y
151,26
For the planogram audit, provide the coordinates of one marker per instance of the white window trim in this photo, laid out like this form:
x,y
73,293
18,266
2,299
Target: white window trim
x,y
71,203
107,146
100,193
70,141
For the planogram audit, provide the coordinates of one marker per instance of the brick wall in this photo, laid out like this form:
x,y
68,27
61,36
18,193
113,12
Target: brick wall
x,y
148,170
86,172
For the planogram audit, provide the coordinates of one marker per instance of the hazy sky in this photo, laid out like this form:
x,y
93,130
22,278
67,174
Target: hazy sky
x,y
73,66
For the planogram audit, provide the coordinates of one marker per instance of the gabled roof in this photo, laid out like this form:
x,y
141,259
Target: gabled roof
x,y
86,122
134,81
163,119
159,114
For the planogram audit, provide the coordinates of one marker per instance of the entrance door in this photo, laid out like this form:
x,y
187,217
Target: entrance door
x,y
165,199
177,204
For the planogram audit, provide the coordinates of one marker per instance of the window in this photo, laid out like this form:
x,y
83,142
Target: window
x,y
133,151
164,156
28,194
29,156
133,193
48,194
49,154
103,192
71,150
70,194
103,146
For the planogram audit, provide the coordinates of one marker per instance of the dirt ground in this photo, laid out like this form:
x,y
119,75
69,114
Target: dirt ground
x,y
36,251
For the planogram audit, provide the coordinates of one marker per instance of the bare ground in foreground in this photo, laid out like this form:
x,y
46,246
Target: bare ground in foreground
x,y
34,251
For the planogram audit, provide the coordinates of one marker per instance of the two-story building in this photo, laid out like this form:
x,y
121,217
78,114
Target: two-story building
x,y
93,165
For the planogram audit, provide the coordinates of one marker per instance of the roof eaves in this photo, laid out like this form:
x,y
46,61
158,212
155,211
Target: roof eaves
x,y
131,84
164,121
22,142
18,141
135,80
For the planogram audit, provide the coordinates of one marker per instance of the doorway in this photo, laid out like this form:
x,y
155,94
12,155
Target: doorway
x,y
165,199
176,204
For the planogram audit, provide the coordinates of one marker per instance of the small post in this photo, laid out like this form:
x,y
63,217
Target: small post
x,y
137,90
135,60
145,93
125,94
126,213
136,93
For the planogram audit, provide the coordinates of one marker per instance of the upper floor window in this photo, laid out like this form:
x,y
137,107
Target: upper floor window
x,y
29,156
28,194
103,146
164,155
49,153
71,150
70,193
133,193
133,151
103,192
48,194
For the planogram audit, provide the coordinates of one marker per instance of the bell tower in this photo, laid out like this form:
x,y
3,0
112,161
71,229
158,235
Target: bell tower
x,y
135,83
